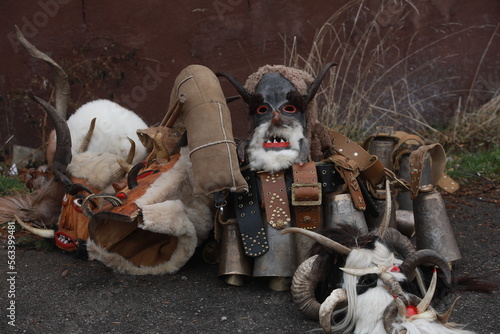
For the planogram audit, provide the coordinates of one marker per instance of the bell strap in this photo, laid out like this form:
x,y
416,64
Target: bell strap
x,y
438,162
370,168
275,199
306,196
349,172
250,222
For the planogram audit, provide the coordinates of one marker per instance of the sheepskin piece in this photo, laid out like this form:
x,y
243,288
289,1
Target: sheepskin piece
x,y
168,207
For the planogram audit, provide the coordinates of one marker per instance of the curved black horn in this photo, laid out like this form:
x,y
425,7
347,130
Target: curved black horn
x,y
62,155
313,88
239,87
398,242
425,256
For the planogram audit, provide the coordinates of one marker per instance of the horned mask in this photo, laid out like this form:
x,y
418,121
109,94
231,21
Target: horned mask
x,y
283,111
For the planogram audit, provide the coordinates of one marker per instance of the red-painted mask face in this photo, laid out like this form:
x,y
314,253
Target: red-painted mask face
x,y
73,224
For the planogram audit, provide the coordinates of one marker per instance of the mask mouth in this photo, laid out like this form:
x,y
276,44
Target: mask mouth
x,y
64,241
276,142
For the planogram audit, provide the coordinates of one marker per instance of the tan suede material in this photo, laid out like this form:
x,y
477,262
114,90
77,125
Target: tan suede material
x,y
209,130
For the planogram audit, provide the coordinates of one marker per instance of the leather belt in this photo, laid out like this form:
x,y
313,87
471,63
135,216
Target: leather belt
x,y
275,199
306,196
370,168
250,222
329,178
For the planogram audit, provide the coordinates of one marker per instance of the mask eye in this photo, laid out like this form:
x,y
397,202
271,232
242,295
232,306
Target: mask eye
x,y
77,204
290,109
262,109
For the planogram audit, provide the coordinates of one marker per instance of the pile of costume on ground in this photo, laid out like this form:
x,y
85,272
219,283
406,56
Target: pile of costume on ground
x,y
357,232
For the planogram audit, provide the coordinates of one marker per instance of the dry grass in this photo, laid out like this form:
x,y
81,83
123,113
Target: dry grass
x,y
381,80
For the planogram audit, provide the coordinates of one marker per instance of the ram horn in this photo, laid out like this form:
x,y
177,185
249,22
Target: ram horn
x,y
86,141
44,233
239,87
396,241
425,256
337,297
313,88
304,282
327,242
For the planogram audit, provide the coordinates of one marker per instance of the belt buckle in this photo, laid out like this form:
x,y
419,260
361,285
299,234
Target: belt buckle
x,y
296,202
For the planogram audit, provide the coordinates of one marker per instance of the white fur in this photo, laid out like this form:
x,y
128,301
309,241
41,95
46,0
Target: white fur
x,y
271,160
113,125
97,168
364,312
168,207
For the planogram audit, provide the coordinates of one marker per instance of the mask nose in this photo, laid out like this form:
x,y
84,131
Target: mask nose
x,y
276,117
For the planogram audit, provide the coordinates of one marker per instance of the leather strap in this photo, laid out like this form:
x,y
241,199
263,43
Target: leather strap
x,y
438,161
329,178
306,196
275,199
349,172
250,222
370,168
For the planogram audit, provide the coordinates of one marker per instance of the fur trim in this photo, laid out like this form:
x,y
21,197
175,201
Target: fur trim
x,y
299,78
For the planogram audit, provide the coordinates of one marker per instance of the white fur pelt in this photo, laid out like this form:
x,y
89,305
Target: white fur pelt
x,y
113,125
168,207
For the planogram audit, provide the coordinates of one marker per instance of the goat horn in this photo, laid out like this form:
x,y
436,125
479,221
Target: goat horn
x,y
426,301
86,141
239,87
313,88
37,231
62,155
425,256
61,79
125,165
358,272
327,242
387,214
304,283
445,317
328,306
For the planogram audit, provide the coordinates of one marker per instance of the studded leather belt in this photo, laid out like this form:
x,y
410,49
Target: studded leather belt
x,y
275,199
306,196
249,219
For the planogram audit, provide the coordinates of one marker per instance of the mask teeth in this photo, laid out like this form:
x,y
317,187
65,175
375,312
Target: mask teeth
x,y
64,239
275,140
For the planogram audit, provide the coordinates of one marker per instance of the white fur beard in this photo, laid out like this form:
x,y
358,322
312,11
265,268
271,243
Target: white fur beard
x,y
371,306
273,160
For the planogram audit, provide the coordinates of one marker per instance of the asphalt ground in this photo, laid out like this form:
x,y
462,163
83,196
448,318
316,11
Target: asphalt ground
x,y
52,292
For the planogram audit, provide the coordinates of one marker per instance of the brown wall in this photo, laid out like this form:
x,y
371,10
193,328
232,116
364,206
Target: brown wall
x,y
131,51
